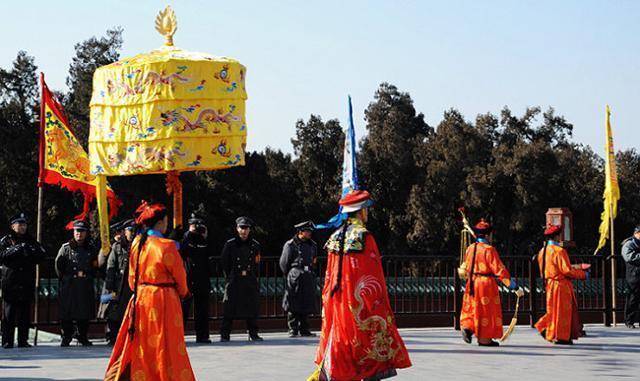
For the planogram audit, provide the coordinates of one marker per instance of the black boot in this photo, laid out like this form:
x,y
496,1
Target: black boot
x,y
489,344
255,337
293,333
466,335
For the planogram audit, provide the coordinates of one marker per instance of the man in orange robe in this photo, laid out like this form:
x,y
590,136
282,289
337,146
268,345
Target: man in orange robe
x,y
561,324
150,346
481,306
359,338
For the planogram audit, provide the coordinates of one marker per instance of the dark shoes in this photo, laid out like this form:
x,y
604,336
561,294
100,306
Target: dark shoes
x,y
544,334
65,342
307,334
466,335
24,345
630,325
85,342
225,338
7,346
489,344
255,337
203,341
293,333
564,342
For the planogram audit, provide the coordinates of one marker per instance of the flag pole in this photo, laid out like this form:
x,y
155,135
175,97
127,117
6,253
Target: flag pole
x,y
40,207
613,269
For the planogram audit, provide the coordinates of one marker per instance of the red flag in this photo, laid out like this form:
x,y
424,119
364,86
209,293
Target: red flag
x,y
63,161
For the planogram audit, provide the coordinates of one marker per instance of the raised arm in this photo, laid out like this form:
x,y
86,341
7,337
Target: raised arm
x,y
564,266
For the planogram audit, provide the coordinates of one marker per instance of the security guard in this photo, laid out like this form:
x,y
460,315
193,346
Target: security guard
x,y
76,266
19,254
196,254
299,254
240,262
117,278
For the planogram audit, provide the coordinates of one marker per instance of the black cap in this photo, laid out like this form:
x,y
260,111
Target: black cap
x,y
307,225
117,226
80,225
128,224
19,218
244,221
194,219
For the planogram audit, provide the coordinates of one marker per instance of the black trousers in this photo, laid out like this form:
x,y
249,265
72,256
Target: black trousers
x,y
200,302
297,322
68,329
113,327
227,322
632,306
15,314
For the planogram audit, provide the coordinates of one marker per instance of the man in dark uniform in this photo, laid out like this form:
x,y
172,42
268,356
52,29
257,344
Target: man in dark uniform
x,y
117,278
76,266
19,254
631,256
240,261
195,250
296,262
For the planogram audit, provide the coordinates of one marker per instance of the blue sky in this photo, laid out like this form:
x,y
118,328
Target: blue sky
x,y
304,57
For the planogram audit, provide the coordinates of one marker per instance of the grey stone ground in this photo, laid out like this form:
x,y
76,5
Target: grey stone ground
x,y
437,354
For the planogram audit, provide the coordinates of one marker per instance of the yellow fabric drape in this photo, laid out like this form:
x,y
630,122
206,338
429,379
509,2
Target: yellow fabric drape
x,y
103,216
611,190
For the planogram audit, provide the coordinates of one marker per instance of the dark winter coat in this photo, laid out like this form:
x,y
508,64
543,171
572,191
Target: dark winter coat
x,y
76,267
296,263
195,251
19,256
240,262
631,256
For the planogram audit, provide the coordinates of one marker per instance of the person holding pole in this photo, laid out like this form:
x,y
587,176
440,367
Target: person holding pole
x,y
631,255
19,255
481,305
561,323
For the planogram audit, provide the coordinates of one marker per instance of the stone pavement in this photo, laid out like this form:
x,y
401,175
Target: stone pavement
x,y
437,354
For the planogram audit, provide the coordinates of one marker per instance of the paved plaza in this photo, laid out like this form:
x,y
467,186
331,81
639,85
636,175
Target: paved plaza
x,y
437,354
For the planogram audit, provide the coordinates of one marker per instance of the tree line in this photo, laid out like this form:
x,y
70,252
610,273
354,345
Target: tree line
x,y
506,168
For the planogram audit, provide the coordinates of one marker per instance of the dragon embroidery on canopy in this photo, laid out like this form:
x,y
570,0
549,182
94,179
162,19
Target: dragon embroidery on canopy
x,y
381,341
205,117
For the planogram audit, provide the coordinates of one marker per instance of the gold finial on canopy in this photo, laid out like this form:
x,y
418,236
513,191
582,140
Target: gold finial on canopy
x,y
166,24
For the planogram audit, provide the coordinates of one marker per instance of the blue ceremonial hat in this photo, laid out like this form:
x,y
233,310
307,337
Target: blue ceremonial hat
x,y
19,218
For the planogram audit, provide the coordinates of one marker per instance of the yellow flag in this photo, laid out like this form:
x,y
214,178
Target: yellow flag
x,y
611,189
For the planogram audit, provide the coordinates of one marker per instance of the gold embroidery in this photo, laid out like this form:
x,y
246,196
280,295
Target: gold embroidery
x,y
381,341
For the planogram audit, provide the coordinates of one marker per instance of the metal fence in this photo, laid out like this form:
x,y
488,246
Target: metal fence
x,y
423,290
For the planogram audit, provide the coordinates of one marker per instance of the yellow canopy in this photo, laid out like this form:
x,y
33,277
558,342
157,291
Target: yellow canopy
x,y
166,111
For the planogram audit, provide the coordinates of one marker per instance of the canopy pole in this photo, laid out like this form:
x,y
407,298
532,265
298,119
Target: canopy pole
x,y
174,187
103,214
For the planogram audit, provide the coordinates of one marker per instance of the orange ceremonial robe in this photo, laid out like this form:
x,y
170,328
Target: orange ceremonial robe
x,y
482,311
561,322
157,351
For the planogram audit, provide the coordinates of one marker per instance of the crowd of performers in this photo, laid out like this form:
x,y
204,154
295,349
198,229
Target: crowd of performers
x,y
151,281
